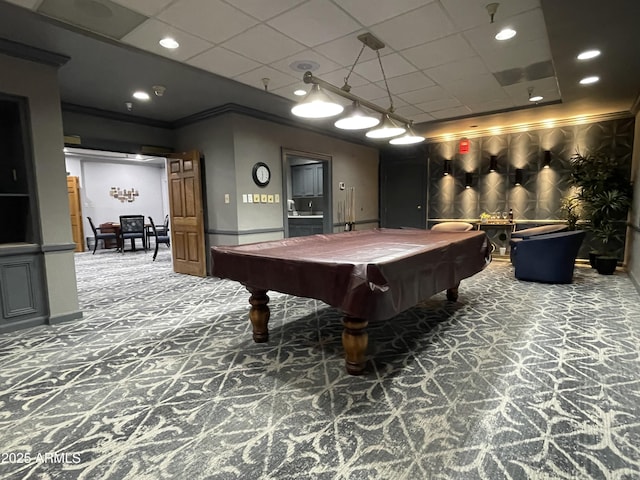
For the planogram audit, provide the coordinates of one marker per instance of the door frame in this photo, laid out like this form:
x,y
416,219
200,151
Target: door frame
x,y
327,190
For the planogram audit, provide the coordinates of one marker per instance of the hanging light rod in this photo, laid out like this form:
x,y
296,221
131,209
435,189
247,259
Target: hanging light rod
x,y
317,104
312,79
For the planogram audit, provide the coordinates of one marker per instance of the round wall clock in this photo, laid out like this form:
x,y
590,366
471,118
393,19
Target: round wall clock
x,y
261,174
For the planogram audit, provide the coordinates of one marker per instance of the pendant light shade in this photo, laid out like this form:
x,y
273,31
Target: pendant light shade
x,y
317,104
387,129
356,118
409,138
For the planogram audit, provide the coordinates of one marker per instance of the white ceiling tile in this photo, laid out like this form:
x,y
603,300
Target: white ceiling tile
x,y
424,95
408,111
468,14
345,50
147,35
453,71
394,65
337,78
276,79
263,44
423,117
407,83
439,52
30,4
314,23
262,9
223,62
325,65
371,92
471,89
452,112
145,7
440,104
491,106
414,28
363,12
211,19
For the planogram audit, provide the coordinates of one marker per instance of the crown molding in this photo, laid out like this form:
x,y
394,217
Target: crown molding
x,y
26,52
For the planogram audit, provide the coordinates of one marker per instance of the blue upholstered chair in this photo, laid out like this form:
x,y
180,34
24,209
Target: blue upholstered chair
x,y
161,236
548,258
518,235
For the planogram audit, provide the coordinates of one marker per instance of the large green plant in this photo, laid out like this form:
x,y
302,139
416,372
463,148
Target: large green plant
x,y
604,191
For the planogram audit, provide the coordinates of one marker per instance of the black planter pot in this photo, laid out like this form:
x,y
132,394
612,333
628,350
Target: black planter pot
x,y
592,258
606,265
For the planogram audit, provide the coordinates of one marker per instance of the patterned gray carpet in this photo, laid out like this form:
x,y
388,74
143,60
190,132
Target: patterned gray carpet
x,y
162,380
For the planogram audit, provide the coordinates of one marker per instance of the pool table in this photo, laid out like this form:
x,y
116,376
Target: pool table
x,y
369,275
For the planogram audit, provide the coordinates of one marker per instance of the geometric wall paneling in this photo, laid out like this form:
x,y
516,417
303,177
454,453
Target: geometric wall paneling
x,y
537,201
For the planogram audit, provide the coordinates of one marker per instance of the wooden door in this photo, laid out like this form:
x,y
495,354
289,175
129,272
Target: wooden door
x,y
75,210
186,213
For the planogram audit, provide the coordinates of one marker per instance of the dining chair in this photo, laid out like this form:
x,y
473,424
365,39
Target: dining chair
x,y
160,236
98,235
131,228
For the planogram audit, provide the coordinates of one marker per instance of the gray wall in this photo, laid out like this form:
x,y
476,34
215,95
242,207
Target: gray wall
x,y
633,238
233,143
39,84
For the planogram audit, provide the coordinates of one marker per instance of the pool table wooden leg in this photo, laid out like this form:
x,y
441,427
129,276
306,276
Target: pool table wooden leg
x,y
354,342
452,293
259,314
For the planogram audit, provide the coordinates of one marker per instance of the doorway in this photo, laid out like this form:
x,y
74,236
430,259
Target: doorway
x,y
307,208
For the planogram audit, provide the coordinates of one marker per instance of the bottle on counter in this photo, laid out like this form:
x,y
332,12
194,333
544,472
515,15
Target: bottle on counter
x,y
511,215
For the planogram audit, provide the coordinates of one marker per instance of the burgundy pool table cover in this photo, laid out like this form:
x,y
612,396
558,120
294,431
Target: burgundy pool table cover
x,y
370,274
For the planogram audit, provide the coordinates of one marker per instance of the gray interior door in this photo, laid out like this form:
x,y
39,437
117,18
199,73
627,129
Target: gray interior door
x,y
403,189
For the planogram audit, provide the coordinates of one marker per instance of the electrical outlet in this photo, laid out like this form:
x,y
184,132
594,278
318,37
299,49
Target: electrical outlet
x,y
227,199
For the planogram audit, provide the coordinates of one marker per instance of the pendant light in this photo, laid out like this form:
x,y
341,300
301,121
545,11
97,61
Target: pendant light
x,y
355,118
317,104
409,138
387,128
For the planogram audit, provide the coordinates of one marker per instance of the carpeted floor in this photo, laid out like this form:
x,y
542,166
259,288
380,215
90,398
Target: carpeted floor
x,y
161,379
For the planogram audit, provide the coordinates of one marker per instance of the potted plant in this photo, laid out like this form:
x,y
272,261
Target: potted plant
x,y
604,193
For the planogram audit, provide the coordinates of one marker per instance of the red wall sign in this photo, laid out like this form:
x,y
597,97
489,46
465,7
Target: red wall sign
x,y
464,145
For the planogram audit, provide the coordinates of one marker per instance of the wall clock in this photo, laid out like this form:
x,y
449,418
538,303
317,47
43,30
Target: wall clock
x,y
261,174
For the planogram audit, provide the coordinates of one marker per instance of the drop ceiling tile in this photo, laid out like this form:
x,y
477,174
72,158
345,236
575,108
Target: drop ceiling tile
x,y
424,95
423,117
305,56
407,83
337,78
517,55
276,79
345,50
408,111
145,7
440,104
453,71
104,16
491,106
439,52
264,10
394,66
547,87
371,92
315,22
147,36
361,9
452,112
210,19
263,44
30,4
466,14
430,21
473,88
223,62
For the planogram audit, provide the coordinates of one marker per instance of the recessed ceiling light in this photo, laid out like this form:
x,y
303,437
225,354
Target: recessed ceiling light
x,y
586,55
300,92
505,34
140,95
170,43
589,80
536,98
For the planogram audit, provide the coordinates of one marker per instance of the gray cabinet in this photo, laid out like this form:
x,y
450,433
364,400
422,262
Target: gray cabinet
x,y
301,226
306,180
22,302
